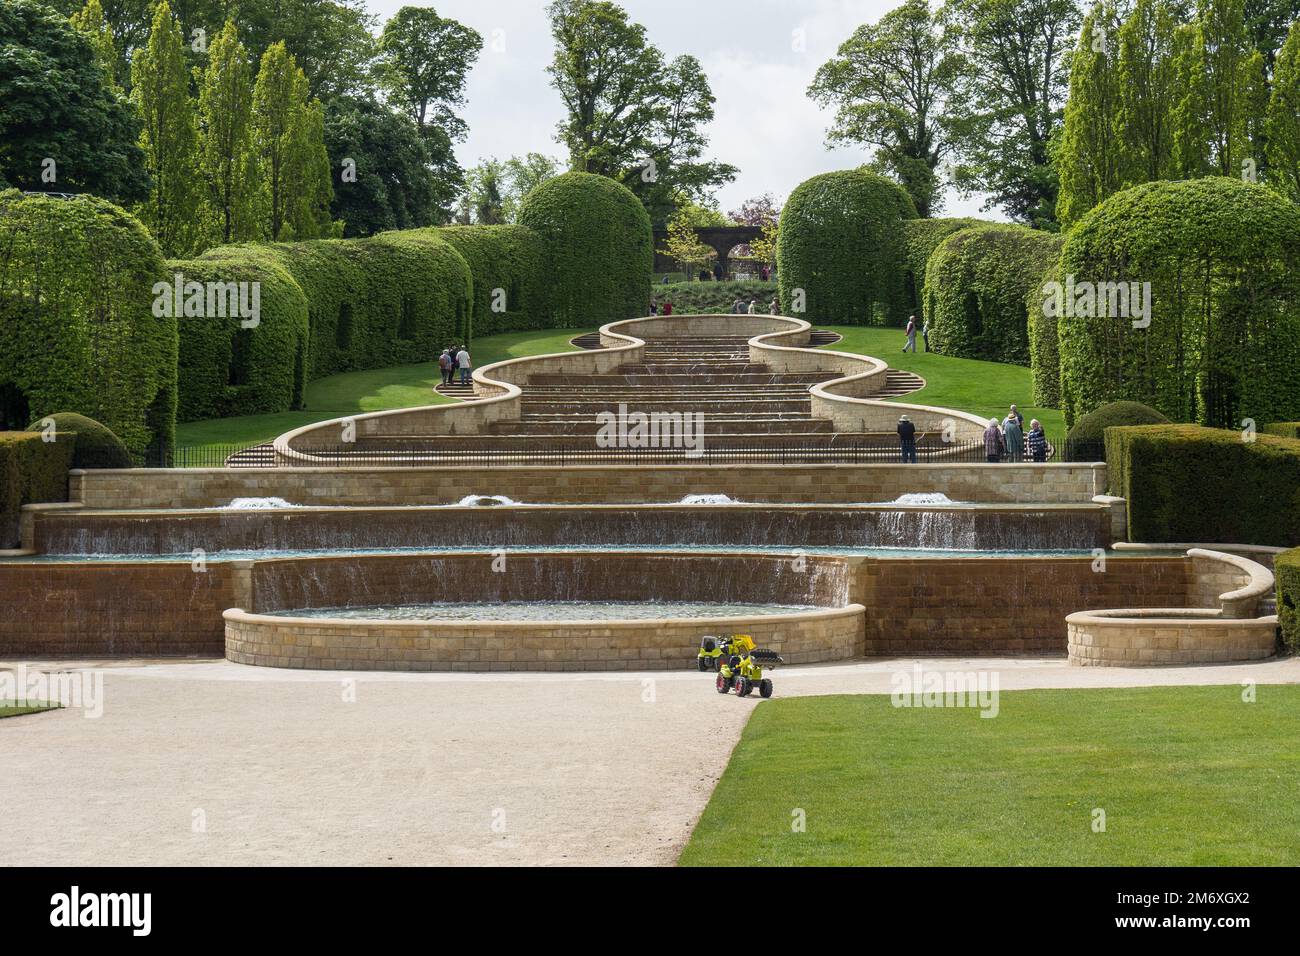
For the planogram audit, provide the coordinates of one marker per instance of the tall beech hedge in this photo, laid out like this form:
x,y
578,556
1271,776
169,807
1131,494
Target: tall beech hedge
x,y
1223,261
597,249
977,283
31,469
920,238
506,264
840,248
228,366
78,330
1044,346
1191,483
1286,571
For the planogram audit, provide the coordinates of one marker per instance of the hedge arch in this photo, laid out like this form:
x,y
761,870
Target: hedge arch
x,y
841,243
597,249
227,365
920,238
79,333
1223,261
508,258
976,284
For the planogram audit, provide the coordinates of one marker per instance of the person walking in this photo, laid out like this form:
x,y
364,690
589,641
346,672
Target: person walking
x,y
925,334
668,307
444,363
774,308
753,307
738,307
911,335
654,307
451,365
463,363
1014,435
993,444
1037,441
907,439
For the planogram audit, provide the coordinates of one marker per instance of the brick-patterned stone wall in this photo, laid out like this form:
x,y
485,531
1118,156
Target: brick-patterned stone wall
x,y
113,609
608,484
617,645
1140,641
1000,605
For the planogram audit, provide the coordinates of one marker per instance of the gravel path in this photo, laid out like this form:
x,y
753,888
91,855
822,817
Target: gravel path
x,y
208,762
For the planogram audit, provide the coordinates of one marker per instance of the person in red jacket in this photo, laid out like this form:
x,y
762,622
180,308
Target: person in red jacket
x,y
668,308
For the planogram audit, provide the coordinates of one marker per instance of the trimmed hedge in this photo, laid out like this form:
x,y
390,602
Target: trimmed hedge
x,y
1190,483
93,445
227,369
76,297
1285,429
508,258
976,286
920,238
31,470
1286,572
841,243
704,298
1223,261
1044,345
597,249
1086,439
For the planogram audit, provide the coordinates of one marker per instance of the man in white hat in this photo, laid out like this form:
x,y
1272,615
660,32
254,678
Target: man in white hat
x,y
907,439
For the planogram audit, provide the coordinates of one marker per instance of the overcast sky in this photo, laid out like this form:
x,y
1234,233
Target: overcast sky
x,y
760,56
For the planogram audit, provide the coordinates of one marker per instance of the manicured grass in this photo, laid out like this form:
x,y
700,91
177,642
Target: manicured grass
x,y
1187,776
12,710
968,385
373,390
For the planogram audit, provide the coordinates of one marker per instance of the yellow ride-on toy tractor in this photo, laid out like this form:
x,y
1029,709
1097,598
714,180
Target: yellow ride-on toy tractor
x,y
714,651
744,672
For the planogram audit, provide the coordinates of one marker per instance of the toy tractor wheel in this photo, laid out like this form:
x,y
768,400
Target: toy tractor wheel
x,y
723,684
702,664
765,688
743,686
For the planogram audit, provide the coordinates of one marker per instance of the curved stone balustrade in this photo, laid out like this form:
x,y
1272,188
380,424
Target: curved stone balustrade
x,y
777,341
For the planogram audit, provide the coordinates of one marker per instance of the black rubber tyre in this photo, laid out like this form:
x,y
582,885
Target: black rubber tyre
x,y
722,684
743,686
765,688
702,663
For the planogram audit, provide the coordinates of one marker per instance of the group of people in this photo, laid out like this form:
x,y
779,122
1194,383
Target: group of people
x,y
911,334
455,358
739,308
1007,439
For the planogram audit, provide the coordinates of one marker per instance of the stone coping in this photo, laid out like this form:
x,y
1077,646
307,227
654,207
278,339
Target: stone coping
x,y
1151,616
1260,581
499,383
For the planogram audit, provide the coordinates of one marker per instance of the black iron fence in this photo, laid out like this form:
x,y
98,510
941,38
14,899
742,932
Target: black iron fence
x,y
567,452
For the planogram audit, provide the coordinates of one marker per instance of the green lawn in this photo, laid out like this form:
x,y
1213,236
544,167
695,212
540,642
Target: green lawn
x,y
1187,776
12,710
968,385
374,390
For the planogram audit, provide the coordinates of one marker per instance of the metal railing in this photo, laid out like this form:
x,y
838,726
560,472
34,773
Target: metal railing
x,y
413,454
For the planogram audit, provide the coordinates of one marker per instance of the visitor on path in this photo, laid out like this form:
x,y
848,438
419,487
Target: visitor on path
x,y
993,444
753,307
668,307
738,307
1014,435
463,363
925,335
445,363
654,307
911,335
451,365
1037,441
1015,413
907,439
774,309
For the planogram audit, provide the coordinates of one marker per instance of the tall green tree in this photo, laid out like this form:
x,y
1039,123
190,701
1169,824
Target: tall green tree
x,y
523,174
1191,135
424,59
63,128
227,161
1092,156
1232,74
632,115
1008,101
1283,119
485,187
330,40
160,89
890,83
1148,90
288,140
90,21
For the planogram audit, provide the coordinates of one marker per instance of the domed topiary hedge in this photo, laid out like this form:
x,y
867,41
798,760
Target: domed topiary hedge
x,y
77,281
239,361
597,249
976,284
1086,440
506,263
840,252
95,446
920,238
1221,259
